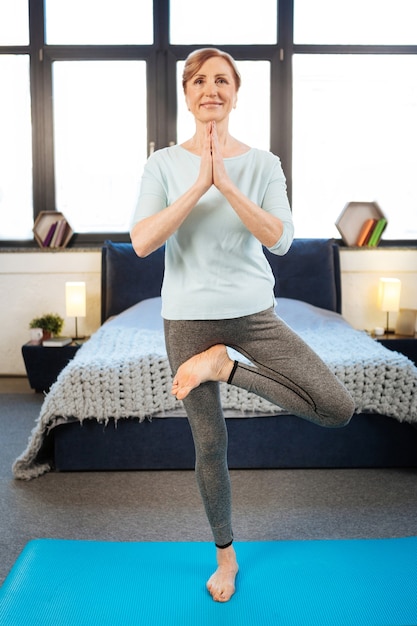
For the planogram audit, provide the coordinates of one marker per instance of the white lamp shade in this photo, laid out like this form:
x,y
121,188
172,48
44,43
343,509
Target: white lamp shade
x,y
389,294
75,299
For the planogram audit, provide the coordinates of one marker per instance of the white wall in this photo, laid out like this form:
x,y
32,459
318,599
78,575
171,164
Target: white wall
x,y
361,270
33,282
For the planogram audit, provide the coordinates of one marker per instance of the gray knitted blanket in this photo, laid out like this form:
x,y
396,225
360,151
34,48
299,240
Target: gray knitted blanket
x,y
123,372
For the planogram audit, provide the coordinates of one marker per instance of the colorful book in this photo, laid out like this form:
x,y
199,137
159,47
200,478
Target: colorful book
x,y
46,242
59,234
52,243
366,232
377,232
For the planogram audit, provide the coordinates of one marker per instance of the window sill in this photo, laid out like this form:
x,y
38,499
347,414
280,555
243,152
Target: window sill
x,y
403,244
32,249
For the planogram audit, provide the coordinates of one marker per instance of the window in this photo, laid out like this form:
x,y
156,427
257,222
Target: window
x,y
14,23
100,141
90,87
223,23
16,207
349,22
355,141
354,113
103,22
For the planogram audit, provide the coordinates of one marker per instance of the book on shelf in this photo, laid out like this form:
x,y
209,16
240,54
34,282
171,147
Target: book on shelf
x,y
377,232
56,234
366,232
52,230
56,342
59,233
49,235
371,232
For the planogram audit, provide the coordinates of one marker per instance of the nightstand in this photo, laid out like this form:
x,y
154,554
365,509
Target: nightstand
x,y
401,343
44,364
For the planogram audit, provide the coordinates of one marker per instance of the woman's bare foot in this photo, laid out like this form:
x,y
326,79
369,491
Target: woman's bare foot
x,y
221,584
212,364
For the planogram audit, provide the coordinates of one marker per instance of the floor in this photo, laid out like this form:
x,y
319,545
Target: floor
x,y
269,505
15,384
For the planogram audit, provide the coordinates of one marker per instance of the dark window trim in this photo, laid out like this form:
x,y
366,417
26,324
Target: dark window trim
x,y
95,241
161,57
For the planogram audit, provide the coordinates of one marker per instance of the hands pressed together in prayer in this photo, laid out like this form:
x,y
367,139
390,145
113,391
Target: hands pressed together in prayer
x,y
153,231
212,169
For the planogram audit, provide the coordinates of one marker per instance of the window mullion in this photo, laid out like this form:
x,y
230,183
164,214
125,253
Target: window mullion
x,y
161,23
172,99
151,104
162,93
48,124
39,116
281,90
160,110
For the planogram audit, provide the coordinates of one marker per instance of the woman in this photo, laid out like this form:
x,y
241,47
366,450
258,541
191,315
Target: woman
x,y
215,202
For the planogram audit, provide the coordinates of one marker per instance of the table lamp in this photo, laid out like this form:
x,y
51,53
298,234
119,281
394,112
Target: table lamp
x,y
389,297
75,302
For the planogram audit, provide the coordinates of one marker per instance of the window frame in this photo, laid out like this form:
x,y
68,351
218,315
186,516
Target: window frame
x,y
161,58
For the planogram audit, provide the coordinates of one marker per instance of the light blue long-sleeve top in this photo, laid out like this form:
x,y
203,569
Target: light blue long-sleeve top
x,y
214,267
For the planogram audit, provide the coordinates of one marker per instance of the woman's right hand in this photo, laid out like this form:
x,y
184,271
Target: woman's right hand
x,y
205,177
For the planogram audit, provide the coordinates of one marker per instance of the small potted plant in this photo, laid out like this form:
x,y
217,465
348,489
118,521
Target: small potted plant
x,y
50,323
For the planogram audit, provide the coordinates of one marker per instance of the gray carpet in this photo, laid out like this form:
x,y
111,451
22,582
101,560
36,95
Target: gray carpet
x,y
269,505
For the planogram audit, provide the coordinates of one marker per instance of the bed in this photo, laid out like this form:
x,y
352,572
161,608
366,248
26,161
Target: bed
x,y
111,409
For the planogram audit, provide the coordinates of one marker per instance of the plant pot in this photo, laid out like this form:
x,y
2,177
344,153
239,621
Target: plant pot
x,y
36,335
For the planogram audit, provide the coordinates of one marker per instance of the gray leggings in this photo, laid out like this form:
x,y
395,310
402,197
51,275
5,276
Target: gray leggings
x,y
285,371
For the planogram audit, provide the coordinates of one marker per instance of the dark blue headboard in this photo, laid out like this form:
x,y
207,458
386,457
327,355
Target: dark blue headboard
x,y
310,271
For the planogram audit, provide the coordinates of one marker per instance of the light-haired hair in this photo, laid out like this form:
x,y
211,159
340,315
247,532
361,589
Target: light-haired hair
x,y
197,58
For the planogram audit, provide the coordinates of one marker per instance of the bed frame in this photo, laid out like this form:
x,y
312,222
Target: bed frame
x,y
311,272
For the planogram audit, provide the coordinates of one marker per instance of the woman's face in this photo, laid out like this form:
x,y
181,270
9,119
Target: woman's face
x,y
211,93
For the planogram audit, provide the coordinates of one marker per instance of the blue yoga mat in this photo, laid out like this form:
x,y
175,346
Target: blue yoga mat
x,y
294,583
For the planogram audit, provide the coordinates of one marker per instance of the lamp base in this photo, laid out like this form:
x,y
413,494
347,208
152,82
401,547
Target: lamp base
x,y
388,330
77,336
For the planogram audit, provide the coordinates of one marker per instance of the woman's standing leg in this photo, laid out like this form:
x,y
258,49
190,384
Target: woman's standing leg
x,y
285,371
206,419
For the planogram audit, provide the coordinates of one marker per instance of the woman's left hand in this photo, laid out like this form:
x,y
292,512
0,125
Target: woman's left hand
x,y
220,175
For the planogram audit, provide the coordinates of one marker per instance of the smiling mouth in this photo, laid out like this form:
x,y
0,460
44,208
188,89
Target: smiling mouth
x,y
211,104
